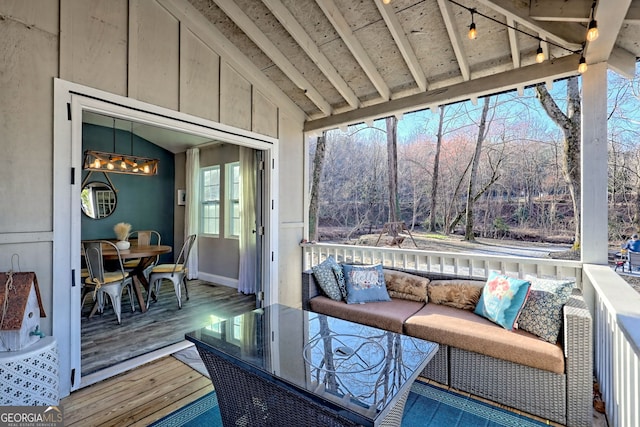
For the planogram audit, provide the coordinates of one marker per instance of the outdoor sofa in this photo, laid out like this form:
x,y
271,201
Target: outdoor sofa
x,y
515,368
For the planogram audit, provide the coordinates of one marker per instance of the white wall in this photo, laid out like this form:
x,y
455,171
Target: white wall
x,y
158,51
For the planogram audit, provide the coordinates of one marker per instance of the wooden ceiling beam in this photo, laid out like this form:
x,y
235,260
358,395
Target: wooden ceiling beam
x,y
513,42
509,80
296,31
399,36
454,37
574,11
217,41
268,48
567,34
343,29
610,17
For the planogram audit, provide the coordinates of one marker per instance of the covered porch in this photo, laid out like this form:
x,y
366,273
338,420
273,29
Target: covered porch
x,y
286,71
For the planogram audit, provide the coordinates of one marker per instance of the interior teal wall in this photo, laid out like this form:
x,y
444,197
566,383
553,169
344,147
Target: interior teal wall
x,y
145,202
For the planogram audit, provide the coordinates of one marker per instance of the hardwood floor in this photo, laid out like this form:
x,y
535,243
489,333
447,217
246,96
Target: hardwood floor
x,y
137,397
105,343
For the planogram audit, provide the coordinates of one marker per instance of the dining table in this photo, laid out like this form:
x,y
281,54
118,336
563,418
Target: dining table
x,y
147,255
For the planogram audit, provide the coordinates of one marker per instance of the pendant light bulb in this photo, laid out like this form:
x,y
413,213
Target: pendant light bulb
x,y
473,33
539,55
96,164
582,66
592,32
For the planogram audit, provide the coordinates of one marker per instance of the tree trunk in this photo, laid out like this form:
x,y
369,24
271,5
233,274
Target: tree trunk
x,y
468,231
436,166
570,125
318,163
392,162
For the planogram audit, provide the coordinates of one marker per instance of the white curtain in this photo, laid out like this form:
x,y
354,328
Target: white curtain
x,y
192,207
248,269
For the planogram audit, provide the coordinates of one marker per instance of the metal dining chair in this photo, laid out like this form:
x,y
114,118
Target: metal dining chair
x,y
176,272
143,238
101,282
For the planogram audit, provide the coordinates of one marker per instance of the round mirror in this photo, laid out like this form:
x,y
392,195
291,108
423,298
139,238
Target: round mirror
x,y
98,200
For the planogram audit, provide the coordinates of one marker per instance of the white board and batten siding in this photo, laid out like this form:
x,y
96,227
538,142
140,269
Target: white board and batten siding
x,y
161,52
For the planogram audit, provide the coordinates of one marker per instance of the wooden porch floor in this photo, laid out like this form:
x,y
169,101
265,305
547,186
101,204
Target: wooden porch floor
x,y
138,397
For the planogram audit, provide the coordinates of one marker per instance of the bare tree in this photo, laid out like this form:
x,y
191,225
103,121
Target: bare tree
x,y
392,166
434,181
318,164
570,125
468,231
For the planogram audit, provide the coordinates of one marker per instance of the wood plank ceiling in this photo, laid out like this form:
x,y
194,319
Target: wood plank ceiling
x,y
350,61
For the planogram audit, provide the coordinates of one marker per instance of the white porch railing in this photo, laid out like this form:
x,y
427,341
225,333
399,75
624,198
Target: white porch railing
x,y
615,307
616,318
459,264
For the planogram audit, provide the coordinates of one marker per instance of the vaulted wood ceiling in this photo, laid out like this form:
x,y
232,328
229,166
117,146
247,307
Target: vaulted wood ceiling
x,y
349,61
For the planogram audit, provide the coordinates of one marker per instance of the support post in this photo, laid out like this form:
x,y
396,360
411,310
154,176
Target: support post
x,y
594,166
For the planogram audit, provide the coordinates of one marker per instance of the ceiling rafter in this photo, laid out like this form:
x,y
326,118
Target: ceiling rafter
x,y
610,17
574,11
473,89
262,41
399,36
296,31
454,37
513,42
343,29
567,34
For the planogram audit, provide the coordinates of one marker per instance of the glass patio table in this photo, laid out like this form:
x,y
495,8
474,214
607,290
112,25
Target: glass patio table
x,y
284,366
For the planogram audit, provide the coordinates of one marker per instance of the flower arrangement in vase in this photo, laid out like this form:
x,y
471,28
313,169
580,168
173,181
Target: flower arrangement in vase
x,y
122,230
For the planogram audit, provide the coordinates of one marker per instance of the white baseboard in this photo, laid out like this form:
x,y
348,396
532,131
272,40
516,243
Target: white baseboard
x,y
220,280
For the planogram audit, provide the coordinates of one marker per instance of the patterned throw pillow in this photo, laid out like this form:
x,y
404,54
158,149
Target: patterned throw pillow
x,y
542,313
326,278
365,283
502,299
337,271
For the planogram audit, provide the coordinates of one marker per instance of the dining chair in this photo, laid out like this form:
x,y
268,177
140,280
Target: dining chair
x,y
143,238
102,282
176,272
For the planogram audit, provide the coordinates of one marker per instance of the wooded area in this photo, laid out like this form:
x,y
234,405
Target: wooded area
x,y
508,167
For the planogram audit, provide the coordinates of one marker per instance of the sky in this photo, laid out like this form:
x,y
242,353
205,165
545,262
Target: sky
x,y
514,111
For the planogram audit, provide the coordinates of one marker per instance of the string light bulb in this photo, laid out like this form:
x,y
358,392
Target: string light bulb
x,y
539,54
473,32
582,65
386,1
592,31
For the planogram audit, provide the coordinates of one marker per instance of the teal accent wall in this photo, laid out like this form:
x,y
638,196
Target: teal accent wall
x,y
145,202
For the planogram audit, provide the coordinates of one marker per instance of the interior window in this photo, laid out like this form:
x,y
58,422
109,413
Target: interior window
x,y
210,197
232,211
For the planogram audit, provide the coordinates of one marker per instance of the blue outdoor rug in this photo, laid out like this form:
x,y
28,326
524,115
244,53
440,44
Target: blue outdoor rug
x,y
426,406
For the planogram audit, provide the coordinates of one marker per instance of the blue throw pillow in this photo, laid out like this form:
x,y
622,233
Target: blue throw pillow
x,y
502,299
365,283
542,312
326,278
